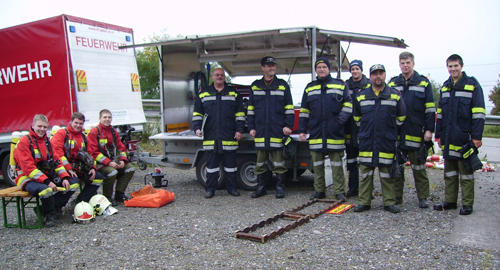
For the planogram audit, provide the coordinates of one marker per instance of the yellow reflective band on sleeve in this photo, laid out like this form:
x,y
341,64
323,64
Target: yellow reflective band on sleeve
x,y
229,142
423,83
439,110
260,139
357,118
395,96
276,140
282,87
35,174
312,88
202,95
22,180
478,110
239,114
100,158
347,104
454,147
430,105
304,110
361,97
336,86
469,87
332,141
386,155
208,142
315,141
197,114
365,154
74,186
251,108
289,107
413,138
401,118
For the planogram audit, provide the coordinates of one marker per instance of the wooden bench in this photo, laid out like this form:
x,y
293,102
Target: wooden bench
x,y
15,194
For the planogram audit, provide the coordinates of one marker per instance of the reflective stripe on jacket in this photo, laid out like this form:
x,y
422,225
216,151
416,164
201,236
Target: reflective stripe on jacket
x,y
379,118
105,140
270,109
420,109
460,115
351,129
326,106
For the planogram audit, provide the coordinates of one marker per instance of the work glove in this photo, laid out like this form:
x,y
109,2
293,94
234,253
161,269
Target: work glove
x,y
289,148
423,152
471,160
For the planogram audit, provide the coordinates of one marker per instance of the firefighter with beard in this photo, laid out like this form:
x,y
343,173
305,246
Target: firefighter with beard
x,y
379,111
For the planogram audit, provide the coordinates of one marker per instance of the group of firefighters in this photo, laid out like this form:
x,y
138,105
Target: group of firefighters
x,y
366,118
52,169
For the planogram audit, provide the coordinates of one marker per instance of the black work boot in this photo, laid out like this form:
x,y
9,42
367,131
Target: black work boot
x,y
445,206
50,219
113,202
261,186
120,196
280,186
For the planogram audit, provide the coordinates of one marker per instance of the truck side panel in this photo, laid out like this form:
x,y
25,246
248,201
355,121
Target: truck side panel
x,y
105,75
34,74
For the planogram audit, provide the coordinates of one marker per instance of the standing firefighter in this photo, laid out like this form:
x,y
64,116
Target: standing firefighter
x,y
326,106
357,82
379,111
270,116
219,117
418,126
70,144
41,173
459,130
110,154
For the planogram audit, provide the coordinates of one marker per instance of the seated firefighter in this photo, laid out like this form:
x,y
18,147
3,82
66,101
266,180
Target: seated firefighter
x,y
110,154
70,144
41,173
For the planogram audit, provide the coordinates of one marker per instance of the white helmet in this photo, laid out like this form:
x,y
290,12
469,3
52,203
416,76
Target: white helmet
x,y
99,203
84,213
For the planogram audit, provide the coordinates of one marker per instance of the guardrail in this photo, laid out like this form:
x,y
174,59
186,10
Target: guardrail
x,y
490,119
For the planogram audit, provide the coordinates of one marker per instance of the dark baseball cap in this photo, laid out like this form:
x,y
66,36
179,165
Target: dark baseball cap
x,y
377,67
268,60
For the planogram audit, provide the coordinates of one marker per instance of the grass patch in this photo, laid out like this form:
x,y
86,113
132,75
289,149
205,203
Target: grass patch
x,y
491,131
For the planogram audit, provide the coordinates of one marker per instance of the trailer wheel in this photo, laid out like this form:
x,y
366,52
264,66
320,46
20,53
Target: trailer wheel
x,y
143,165
246,177
7,172
201,173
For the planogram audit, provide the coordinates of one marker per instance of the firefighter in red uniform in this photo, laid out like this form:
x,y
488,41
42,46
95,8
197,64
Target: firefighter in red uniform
x,y
221,108
70,144
110,154
270,117
40,172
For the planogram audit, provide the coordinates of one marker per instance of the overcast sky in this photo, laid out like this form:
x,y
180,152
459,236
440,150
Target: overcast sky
x,y
434,29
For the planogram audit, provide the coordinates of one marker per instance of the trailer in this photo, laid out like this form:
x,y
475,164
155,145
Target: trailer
x,y
185,65
63,64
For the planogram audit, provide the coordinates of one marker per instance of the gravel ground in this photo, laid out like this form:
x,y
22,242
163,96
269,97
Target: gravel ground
x,y
195,233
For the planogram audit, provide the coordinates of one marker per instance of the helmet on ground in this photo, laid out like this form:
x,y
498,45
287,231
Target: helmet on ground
x,y
83,213
99,203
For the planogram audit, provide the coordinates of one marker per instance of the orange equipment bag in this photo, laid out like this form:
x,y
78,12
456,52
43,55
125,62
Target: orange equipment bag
x,y
150,197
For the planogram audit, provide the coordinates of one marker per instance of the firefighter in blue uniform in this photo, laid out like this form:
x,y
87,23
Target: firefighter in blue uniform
x,y
221,109
326,106
379,112
460,121
418,126
357,82
270,116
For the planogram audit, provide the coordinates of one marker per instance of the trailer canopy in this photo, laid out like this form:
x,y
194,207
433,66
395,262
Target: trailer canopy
x,y
240,53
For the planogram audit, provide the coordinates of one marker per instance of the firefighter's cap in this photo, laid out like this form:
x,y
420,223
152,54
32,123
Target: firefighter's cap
x,y
267,60
377,67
